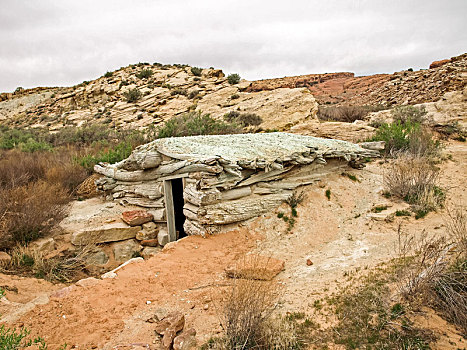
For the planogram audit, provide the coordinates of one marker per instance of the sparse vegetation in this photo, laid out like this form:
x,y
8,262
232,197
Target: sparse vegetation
x,y
196,123
328,194
108,74
403,213
196,71
179,91
415,180
245,119
233,78
132,95
347,114
144,74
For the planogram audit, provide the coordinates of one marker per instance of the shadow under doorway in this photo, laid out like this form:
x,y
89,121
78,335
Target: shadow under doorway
x,y
178,201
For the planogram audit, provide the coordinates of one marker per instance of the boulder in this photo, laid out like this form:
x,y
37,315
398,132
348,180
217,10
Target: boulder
x,y
186,340
163,237
126,250
173,321
136,217
147,252
256,267
112,232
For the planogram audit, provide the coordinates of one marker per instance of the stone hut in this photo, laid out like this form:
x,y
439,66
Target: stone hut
x,y
200,184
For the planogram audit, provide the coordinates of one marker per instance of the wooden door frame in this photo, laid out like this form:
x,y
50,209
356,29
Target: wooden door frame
x,y
169,204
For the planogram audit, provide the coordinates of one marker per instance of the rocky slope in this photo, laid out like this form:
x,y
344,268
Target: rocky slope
x,y
169,91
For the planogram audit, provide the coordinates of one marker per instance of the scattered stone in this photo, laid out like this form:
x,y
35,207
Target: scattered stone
x,y
4,258
256,267
206,306
309,262
107,233
147,252
136,217
146,234
150,242
174,320
87,282
377,216
126,250
186,340
163,237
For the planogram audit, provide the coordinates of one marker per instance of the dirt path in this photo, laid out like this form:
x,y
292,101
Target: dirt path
x,y
339,236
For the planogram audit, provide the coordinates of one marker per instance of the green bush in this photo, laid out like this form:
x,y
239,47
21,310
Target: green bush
x,y
12,339
112,155
196,71
132,95
32,145
195,123
233,78
409,114
108,74
144,74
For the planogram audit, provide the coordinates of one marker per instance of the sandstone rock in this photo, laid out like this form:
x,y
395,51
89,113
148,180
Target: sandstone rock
x,y
136,217
439,63
168,338
173,321
107,233
186,340
125,250
147,252
87,282
149,226
146,234
309,262
256,267
150,242
163,237
44,245
352,132
5,258
97,258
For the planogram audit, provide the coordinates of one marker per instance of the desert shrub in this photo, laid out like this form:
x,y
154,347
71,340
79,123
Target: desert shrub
x,y
347,114
233,78
110,155
245,119
11,138
409,113
108,74
193,94
18,168
132,95
234,96
247,319
68,174
415,180
196,71
179,91
368,320
30,211
409,137
144,74
65,268
32,145
196,123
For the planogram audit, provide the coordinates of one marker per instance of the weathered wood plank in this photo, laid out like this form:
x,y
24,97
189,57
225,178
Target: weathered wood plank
x,y
169,206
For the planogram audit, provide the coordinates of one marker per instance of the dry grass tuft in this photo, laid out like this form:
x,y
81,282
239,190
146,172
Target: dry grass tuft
x,y
415,179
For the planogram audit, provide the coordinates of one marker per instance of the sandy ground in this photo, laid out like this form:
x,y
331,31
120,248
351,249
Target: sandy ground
x,y
339,236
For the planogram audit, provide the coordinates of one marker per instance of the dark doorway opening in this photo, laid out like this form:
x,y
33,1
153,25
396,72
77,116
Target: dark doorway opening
x,y
177,195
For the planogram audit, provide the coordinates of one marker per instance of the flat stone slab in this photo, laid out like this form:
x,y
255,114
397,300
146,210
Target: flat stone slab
x,y
256,267
136,217
113,232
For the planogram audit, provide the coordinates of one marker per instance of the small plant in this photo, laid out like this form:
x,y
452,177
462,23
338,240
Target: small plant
x,y
234,96
132,95
179,91
379,209
403,213
328,194
409,113
108,74
193,94
144,74
245,119
196,71
233,78
350,176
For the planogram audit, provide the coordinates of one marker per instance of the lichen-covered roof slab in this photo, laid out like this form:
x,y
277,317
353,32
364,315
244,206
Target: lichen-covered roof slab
x,y
267,147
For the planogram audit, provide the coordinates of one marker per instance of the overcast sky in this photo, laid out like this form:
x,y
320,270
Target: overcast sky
x,y
61,42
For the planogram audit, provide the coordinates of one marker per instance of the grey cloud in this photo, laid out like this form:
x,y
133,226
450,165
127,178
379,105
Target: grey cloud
x,y
65,42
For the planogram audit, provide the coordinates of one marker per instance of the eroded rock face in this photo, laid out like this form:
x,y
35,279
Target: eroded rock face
x,y
439,63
